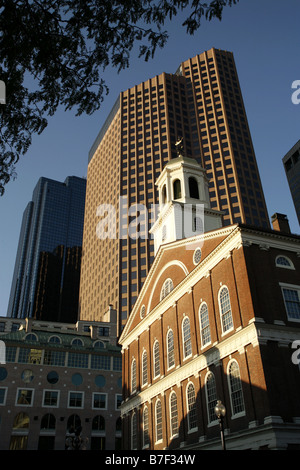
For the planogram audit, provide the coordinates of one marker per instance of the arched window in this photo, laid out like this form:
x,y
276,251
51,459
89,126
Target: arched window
x,y
204,324
146,440
191,407
133,376
48,421
99,344
98,423
156,359
31,337
73,423
133,431
193,188
235,387
170,349
186,338
144,368
177,189
173,415
158,421
21,421
166,288
55,339
284,262
225,309
77,342
211,396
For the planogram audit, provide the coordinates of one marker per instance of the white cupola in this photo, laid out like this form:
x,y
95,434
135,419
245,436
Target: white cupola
x,y
184,205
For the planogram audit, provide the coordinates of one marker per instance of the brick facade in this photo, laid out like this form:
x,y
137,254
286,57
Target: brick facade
x,y
254,354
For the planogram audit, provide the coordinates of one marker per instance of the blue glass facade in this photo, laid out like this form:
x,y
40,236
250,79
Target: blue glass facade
x,y
291,163
54,218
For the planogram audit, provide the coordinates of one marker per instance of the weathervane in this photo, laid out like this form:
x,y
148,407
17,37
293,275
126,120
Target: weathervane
x,y
180,147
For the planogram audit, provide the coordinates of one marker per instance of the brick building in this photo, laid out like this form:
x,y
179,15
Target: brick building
x,y
56,378
217,318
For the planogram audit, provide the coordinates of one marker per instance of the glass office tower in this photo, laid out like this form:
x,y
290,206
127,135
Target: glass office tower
x,y
202,103
291,162
45,283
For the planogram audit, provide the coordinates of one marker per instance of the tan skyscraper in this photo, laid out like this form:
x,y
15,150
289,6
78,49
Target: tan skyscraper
x,y
202,103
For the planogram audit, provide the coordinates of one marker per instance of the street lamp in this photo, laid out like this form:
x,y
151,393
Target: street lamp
x,y
220,412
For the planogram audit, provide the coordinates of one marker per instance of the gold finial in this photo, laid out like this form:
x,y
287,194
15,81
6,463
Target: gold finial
x,y
180,147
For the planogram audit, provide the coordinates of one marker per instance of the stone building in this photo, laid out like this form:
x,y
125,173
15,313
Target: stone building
x,y
217,319
59,379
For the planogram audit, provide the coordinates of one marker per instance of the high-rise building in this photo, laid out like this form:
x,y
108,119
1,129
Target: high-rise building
x,y
291,162
45,283
201,103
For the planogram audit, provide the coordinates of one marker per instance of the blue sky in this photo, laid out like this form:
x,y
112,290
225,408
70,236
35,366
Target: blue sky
x,y
264,37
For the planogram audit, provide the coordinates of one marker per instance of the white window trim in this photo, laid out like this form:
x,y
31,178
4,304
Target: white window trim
x,y
203,346
214,421
168,352
23,404
133,389
145,446
173,436
116,401
190,430
58,398
183,341
241,413
95,407
75,407
154,360
5,395
291,266
220,311
284,285
133,430
159,440
143,354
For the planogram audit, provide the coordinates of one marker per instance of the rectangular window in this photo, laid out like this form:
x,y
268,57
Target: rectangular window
x,y
117,363
100,362
291,296
3,396
50,398
100,401
24,396
75,400
118,401
78,360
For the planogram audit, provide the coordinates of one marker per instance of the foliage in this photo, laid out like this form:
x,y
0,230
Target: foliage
x,y
64,46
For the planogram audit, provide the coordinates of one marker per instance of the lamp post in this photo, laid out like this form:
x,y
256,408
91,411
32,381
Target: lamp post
x,y
220,412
